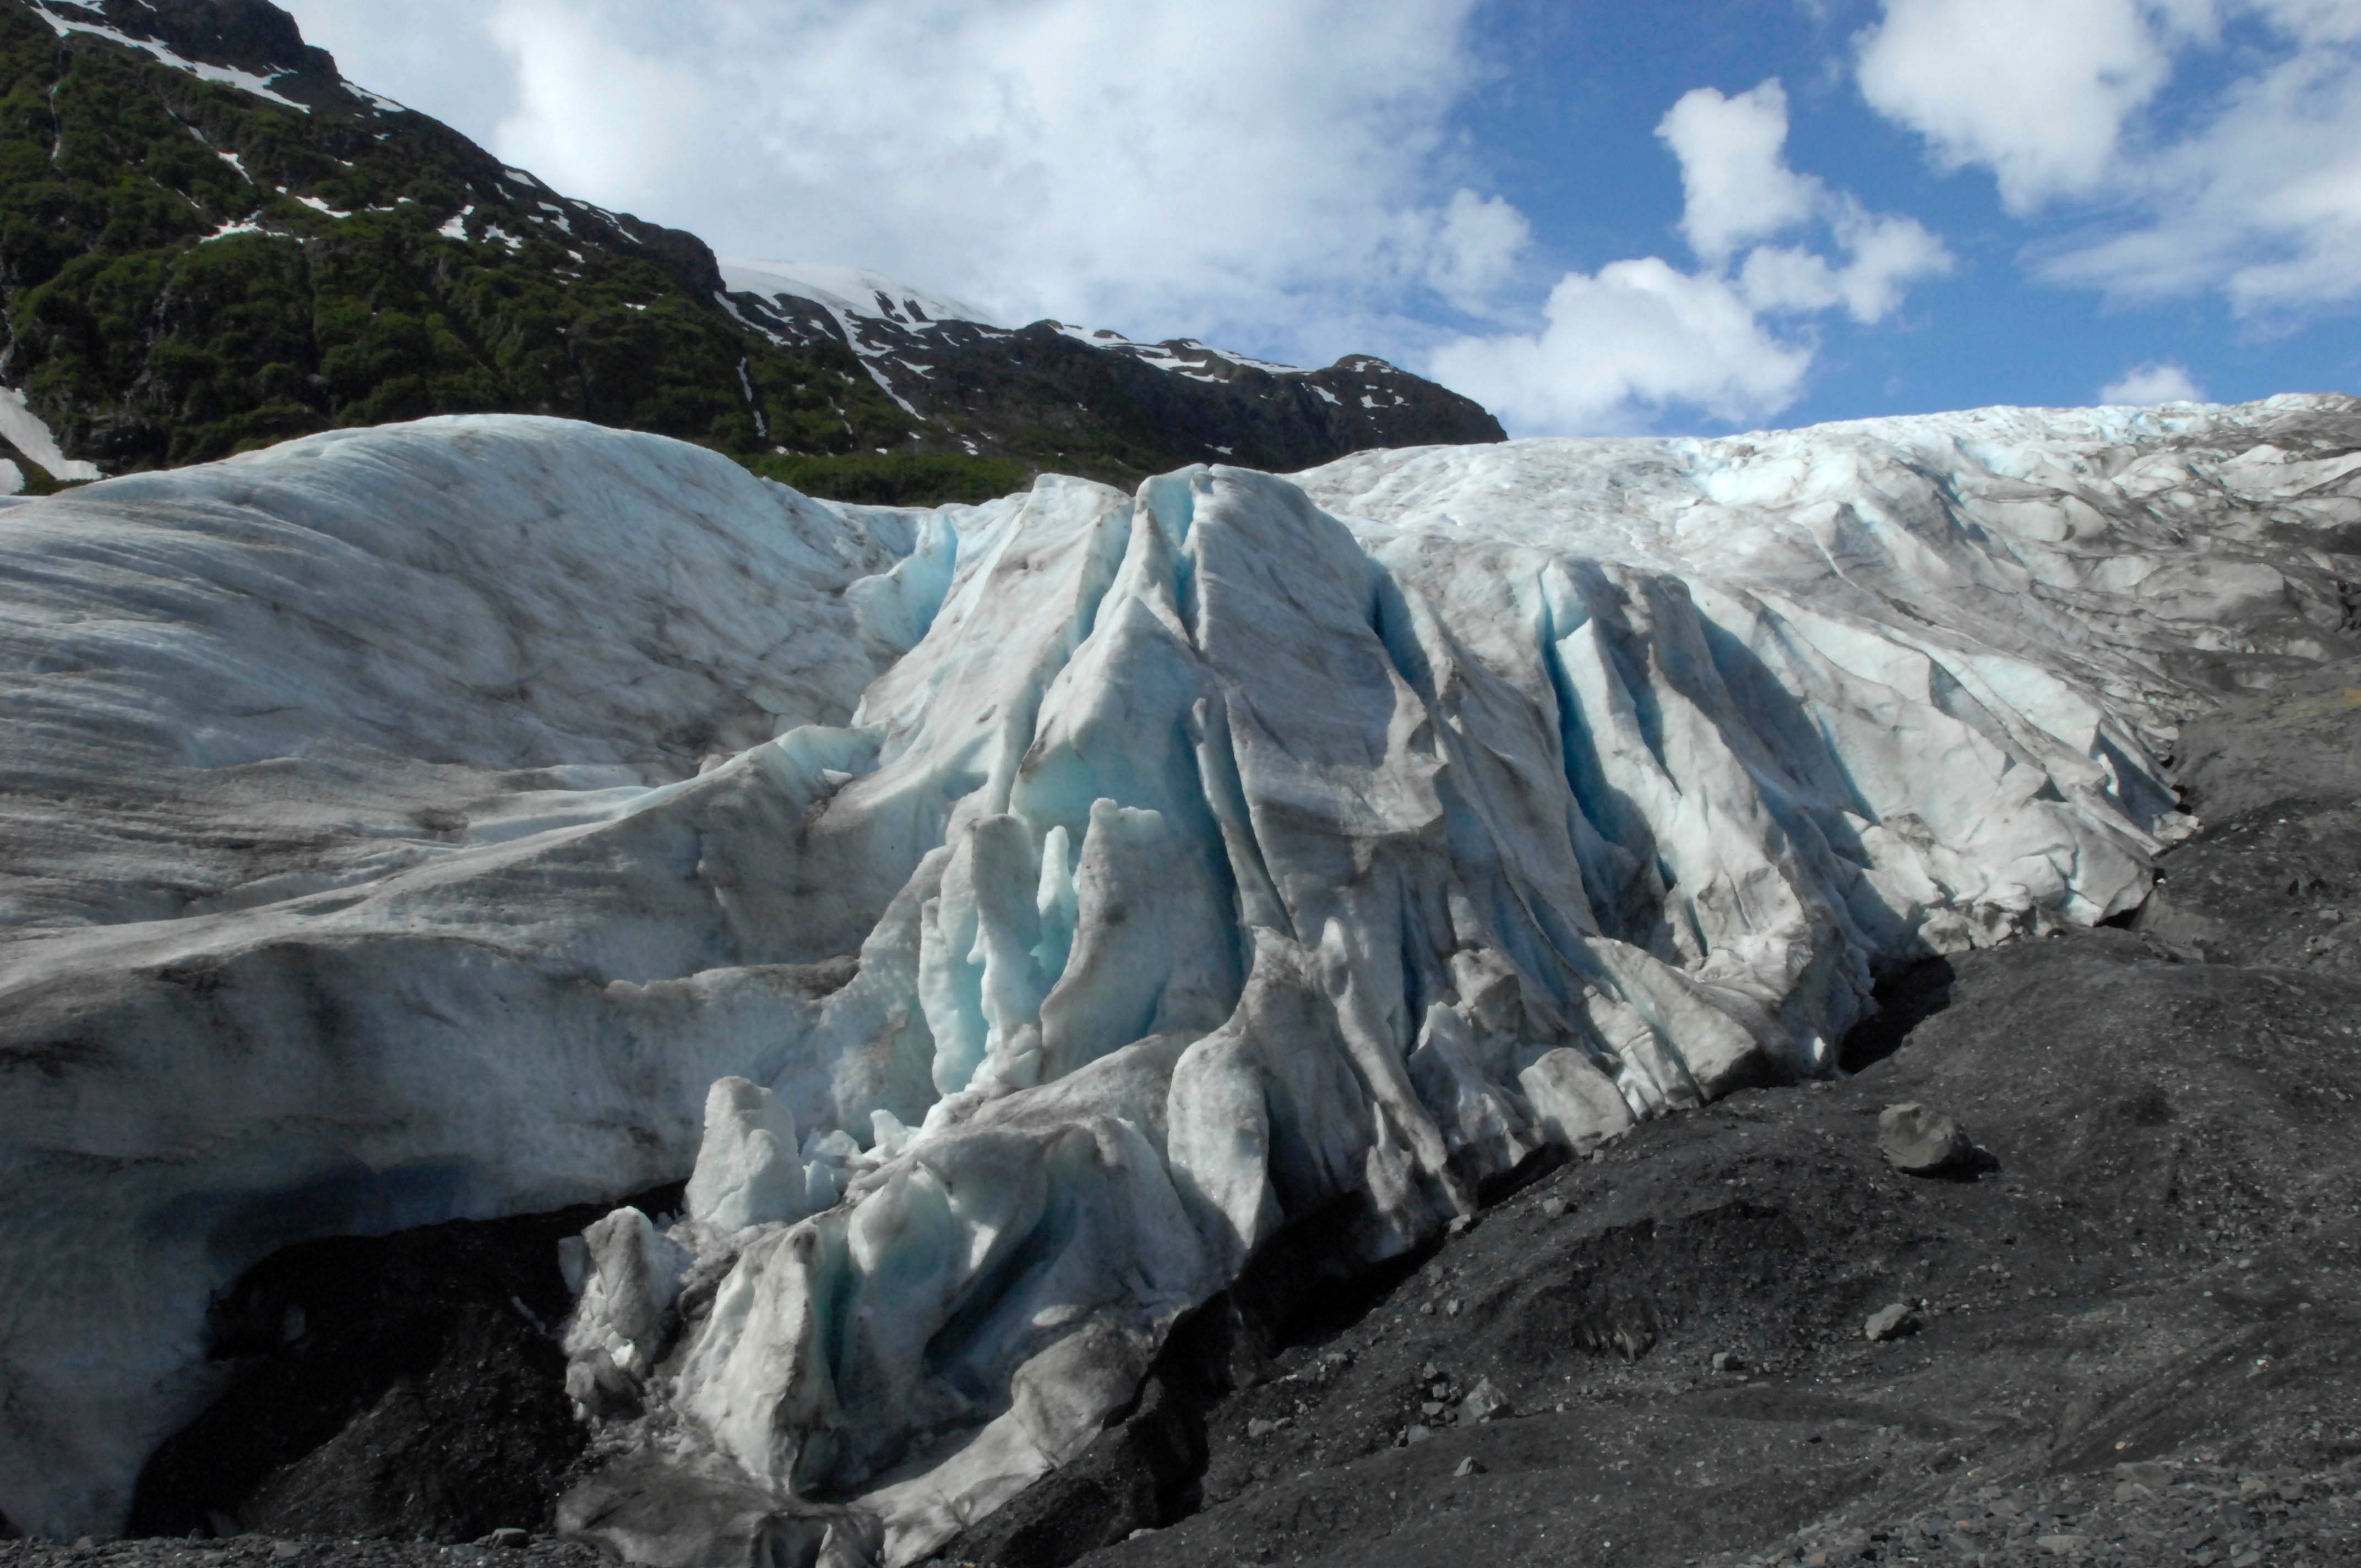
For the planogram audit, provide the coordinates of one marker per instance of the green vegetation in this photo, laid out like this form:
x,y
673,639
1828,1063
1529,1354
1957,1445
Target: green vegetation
x,y
898,479
148,337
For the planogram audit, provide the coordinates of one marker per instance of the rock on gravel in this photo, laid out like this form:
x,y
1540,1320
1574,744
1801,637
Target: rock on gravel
x,y
1890,1322
1922,1142
1485,1401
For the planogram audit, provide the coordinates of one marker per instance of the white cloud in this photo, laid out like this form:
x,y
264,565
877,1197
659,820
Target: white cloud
x,y
1614,350
2264,203
2258,197
1477,244
1637,337
1734,170
600,113
1275,174
2158,381
434,55
1885,254
2037,91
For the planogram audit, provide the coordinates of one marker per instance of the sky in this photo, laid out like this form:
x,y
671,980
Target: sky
x,y
1595,218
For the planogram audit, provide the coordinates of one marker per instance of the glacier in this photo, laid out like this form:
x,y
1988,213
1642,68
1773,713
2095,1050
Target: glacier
x,y
1015,916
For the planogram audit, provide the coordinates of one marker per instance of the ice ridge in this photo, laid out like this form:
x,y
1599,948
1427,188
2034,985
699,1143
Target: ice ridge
x,y
1018,914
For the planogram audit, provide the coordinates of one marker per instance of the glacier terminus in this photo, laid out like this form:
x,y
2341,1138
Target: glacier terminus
x,y
1011,917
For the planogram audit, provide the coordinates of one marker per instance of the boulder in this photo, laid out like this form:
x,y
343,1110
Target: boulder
x,y
1891,1322
1922,1142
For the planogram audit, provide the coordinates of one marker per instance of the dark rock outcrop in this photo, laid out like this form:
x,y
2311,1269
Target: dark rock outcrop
x,y
1099,405
406,1386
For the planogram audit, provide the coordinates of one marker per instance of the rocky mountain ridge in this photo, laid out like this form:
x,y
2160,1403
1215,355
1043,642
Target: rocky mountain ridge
x,y
1096,395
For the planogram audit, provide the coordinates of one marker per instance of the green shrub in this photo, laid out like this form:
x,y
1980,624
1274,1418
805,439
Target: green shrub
x,y
898,479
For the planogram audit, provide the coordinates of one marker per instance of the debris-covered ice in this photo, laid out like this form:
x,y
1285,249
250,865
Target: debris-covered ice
x,y
1018,913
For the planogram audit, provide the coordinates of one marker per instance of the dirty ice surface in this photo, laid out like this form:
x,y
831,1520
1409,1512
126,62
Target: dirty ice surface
x,y
1015,914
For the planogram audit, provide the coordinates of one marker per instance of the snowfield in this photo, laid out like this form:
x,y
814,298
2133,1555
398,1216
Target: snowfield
x,y
1016,913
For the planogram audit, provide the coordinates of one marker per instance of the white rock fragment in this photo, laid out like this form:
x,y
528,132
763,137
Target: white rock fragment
x,y
1891,1322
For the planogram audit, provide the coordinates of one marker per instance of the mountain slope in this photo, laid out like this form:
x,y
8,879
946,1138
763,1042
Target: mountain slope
x,y
209,241
191,267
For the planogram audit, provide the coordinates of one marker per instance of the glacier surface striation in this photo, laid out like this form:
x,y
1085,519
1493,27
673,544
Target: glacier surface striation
x,y
1016,913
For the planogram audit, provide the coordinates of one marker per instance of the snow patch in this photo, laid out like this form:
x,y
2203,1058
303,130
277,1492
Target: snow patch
x,y
25,428
848,291
377,101
1185,355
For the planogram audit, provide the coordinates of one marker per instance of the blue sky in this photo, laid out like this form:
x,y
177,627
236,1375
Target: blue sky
x,y
1599,78
1690,215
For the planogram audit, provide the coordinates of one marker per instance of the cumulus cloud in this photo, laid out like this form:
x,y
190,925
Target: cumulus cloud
x,y
602,111
2158,381
2037,90
1280,176
2263,204
1734,170
1271,173
2258,195
1616,349
1883,256
1478,242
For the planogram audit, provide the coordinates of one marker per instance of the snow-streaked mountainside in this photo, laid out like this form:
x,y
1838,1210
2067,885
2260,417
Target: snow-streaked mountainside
x,y
868,307
281,252
254,47
848,291
1016,914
